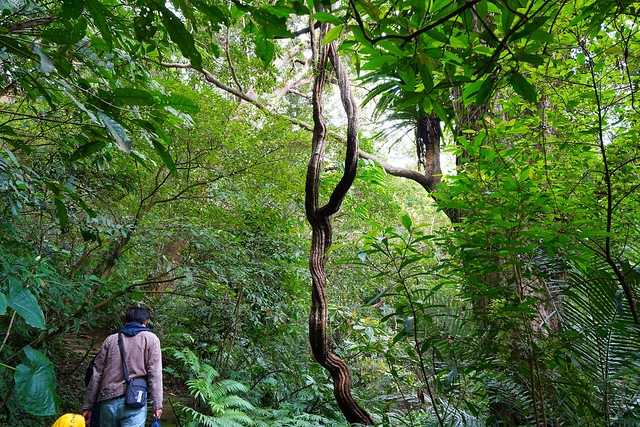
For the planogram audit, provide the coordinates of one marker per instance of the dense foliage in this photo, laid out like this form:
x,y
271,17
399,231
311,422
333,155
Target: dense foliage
x,y
156,153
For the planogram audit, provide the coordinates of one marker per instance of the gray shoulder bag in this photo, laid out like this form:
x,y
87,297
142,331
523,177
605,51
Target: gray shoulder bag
x,y
136,394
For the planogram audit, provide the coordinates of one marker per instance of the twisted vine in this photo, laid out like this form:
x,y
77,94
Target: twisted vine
x,y
319,218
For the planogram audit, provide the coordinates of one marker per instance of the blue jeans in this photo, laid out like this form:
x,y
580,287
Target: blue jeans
x,y
113,413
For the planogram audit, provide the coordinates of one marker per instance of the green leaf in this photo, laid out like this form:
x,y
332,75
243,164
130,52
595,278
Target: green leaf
x,y
532,59
61,213
269,24
154,128
371,9
132,96
90,236
522,87
426,72
144,26
378,61
35,384
438,35
69,92
3,304
65,35
484,93
408,77
46,64
265,50
87,149
117,131
72,9
215,14
281,12
399,337
406,221
542,36
182,37
507,18
440,111
25,304
99,20
482,8
333,34
359,35
327,17
186,11
181,103
165,156
530,27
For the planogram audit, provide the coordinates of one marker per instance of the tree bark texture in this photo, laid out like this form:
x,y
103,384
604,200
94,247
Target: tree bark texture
x,y
428,148
319,218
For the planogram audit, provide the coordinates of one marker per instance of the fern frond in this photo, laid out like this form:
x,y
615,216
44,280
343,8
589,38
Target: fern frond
x,y
225,406
229,420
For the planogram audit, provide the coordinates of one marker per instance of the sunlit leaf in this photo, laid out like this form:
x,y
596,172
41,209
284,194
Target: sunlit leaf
x,y
359,35
406,221
333,34
371,9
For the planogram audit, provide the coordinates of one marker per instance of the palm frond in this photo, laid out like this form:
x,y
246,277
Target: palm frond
x,y
602,340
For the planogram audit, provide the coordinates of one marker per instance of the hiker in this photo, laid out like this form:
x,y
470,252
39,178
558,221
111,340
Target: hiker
x,y
108,385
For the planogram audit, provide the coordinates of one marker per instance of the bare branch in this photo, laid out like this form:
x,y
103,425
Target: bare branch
x,y
396,171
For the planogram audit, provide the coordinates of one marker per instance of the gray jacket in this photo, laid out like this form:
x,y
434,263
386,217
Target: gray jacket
x,y
143,360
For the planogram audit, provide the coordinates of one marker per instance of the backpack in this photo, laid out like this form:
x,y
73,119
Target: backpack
x,y
88,374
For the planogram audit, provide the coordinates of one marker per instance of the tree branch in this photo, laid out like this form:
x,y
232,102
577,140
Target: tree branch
x,y
414,34
20,26
392,170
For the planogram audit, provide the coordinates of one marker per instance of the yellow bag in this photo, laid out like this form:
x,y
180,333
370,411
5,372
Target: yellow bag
x,y
69,420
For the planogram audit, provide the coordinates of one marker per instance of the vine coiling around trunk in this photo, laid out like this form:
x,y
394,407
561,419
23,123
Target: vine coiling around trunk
x,y
320,219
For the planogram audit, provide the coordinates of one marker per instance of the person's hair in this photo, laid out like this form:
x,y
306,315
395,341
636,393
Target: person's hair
x,y
137,314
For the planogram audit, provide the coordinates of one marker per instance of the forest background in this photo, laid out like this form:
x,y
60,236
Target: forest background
x,y
241,169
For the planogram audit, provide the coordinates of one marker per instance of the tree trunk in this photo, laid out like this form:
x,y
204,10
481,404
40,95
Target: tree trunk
x,y
428,148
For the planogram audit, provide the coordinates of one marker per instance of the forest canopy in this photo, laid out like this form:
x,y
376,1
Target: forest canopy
x,y
393,213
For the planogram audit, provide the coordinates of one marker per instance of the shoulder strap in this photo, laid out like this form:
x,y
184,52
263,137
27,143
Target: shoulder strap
x,y
122,356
